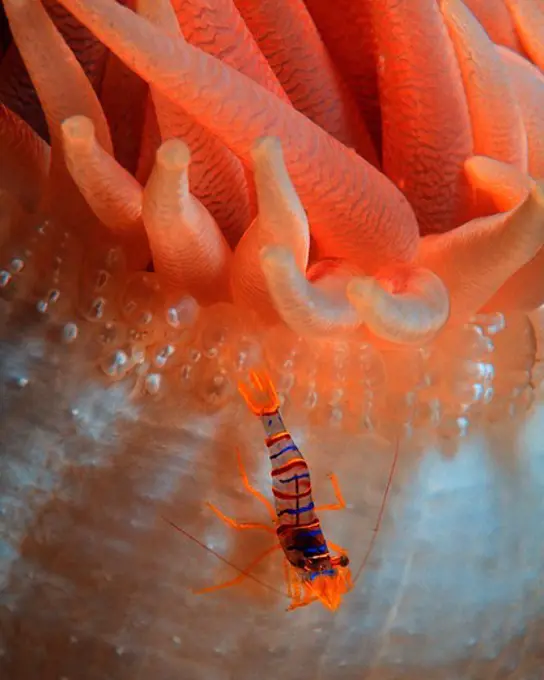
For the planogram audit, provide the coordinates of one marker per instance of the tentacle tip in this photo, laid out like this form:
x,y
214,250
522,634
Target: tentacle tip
x,y
537,192
477,164
17,4
78,129
274,257
361,287
264,146
474,161
174,155
445,5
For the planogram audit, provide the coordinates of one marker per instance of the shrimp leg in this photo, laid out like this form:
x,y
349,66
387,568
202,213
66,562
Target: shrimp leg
x,y
240,525
252,490
297,597
340,502
243,575
287,577
337,547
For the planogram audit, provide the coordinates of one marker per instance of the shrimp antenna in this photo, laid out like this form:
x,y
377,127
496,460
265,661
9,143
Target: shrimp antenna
x,y
380,513
223,559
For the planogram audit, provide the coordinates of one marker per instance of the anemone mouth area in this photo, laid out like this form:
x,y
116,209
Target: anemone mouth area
x,y
120,407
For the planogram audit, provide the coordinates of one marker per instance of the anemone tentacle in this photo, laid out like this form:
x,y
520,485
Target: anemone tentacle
x,y
528,84
354,211
497,124
423,153
475,260
292,45
63,92
188,248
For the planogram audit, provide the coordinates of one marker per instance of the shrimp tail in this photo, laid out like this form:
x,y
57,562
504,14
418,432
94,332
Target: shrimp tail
x,y
259,393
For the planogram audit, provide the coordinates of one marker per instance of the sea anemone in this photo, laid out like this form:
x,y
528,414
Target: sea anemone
x,y
347,193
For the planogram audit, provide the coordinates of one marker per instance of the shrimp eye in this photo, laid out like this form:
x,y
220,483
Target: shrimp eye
x,y
301,563
343,560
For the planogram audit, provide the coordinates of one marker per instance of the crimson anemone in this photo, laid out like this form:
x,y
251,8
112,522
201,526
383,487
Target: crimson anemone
x,y
350,194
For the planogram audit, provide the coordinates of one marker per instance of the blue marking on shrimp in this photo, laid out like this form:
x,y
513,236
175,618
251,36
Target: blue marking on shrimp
x,y
316,574
297,511
294,478
313,532
291,447
316,550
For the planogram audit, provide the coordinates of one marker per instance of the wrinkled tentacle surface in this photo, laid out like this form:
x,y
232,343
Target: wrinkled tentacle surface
x,y
528,84
422,154
475,260
217,176
188,248
290,41
25,159
354,211
113,194
497,21
497,124
63,91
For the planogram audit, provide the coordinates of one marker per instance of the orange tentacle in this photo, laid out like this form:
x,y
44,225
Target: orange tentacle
x,y
426,125
63,91
495,18
217,28
216,176
289,40
354,210
25,159
528,84
497,125
340,30
528,17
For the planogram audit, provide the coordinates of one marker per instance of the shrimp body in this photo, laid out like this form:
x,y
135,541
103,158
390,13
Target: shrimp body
x,y
313,573
298,529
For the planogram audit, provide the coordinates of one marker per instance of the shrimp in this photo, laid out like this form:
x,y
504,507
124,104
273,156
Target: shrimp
x,y
312,573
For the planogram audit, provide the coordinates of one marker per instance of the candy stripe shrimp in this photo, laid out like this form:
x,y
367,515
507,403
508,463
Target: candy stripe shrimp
x,y
312,573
